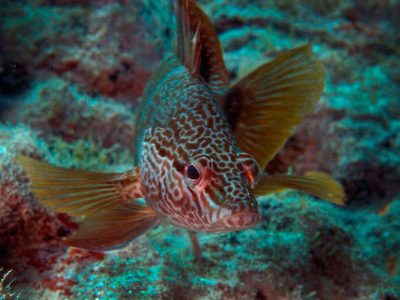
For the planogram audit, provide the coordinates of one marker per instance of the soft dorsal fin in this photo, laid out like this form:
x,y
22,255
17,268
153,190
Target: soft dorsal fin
x,y
198,46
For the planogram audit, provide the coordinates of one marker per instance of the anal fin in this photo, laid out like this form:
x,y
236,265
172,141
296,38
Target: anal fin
x,y
114,227
315,183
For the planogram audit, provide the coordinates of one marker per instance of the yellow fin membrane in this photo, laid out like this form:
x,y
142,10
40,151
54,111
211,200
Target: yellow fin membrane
x,y
264,107
315,183
77,193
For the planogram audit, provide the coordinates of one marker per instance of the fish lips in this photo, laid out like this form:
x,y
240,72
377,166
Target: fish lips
x,y
235,221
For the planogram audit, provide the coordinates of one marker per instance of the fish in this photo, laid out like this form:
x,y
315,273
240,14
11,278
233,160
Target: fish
x,y
202,144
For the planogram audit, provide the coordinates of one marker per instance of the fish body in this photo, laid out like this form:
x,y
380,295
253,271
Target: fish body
x,y
201,146
182,125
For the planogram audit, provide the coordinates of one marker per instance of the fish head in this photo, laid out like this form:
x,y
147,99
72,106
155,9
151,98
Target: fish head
x,y
207,189
222,187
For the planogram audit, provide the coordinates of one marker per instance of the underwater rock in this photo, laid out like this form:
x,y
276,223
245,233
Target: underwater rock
x,y
30,236
55,108
104,47
14,79
371,184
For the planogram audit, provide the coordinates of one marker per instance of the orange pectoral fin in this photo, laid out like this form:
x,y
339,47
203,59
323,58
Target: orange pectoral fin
x,y
78,193
114,227
315,183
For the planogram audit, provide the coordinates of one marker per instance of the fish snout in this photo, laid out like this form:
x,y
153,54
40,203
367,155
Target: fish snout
x,y
238,220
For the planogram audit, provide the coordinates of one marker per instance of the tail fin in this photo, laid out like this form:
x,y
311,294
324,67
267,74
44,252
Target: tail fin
x,y
315,183
114,227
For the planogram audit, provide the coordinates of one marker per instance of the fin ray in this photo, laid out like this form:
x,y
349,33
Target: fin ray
x,y
315,183
114,227
198,47
264,107
75,192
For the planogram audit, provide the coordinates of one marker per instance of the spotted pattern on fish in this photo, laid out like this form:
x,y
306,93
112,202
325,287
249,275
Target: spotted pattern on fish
x,y
183,124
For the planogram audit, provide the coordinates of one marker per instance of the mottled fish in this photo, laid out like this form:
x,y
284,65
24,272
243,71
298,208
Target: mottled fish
x,y
201,146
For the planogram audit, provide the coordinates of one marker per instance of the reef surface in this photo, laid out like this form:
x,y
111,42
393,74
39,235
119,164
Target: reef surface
x,y
71,74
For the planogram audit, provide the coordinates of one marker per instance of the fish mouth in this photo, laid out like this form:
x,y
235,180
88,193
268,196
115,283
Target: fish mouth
x,y
239,221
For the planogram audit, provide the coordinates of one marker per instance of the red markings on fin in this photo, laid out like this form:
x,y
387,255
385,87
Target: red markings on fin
x,y
79,193
315,183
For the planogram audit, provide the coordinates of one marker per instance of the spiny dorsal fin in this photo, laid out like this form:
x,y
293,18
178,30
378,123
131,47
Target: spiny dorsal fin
x,y
198,46
188,45
79,193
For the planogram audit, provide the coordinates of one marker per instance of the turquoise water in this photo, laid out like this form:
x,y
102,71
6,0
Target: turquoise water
x,y
71,76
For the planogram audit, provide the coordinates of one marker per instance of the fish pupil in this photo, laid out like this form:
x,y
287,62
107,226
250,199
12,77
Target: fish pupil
x,y
193,173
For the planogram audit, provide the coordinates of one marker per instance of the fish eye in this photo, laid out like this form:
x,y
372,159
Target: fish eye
x,y
193,174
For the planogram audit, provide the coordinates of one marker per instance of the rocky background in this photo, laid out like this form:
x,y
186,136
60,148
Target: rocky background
x,y
71,74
